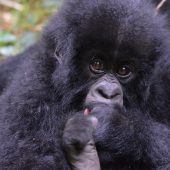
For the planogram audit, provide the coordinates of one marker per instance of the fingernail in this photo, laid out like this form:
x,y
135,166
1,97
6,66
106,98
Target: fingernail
x,y
86,112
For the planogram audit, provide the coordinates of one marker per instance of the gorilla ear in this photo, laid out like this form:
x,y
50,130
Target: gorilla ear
x,y
58,56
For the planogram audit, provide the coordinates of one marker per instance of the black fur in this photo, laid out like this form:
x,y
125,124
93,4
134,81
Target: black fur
x,y
39,94
164,8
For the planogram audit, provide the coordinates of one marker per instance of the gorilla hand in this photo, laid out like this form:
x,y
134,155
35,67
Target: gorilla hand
x,y
79,144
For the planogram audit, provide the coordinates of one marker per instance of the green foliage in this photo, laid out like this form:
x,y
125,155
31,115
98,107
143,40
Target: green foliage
x,y
23,26
7,43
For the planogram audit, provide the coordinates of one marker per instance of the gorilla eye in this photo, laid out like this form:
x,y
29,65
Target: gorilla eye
x,y
124,71
97,66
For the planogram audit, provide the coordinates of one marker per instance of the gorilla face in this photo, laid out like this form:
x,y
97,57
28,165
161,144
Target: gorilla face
x,y
103,41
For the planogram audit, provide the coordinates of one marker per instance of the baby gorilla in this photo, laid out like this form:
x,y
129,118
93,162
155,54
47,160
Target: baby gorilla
x,y
105,60
105,101
83,158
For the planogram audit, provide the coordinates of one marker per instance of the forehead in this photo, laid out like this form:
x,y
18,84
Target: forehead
x,y
115,24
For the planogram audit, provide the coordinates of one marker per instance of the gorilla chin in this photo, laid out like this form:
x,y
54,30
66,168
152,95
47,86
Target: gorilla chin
x,y
110,56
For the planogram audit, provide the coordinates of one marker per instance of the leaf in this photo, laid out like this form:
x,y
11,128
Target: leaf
x,y
7,38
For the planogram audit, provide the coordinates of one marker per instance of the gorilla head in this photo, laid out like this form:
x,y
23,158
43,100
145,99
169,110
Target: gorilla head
x,y
100,55
112,39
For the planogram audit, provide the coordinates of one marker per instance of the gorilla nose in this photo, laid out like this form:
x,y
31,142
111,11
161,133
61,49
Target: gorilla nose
x,y
105,91
108,92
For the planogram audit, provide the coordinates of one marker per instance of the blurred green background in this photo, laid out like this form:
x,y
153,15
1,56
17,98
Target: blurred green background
x,y
21,22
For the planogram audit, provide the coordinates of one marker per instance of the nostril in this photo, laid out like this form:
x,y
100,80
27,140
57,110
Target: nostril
x,y
114,95
100,91
107,95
